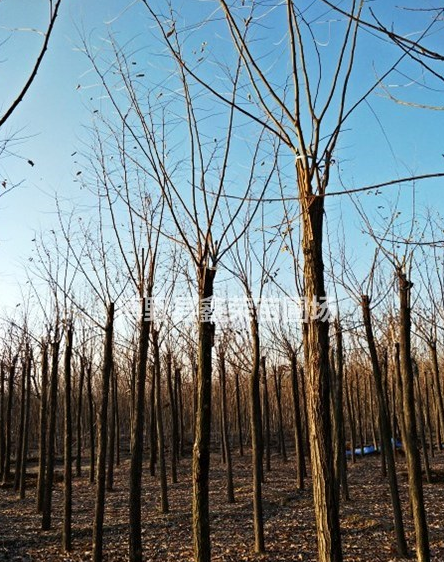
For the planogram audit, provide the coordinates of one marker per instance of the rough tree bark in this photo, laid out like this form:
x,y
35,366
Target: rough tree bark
x,y
384,424
409,414
201,449
135,514
99,511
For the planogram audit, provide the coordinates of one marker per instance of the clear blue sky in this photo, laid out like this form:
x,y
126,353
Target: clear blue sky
x,y
56,110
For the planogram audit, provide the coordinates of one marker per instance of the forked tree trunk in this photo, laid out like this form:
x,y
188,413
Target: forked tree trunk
x,y
99,511
384,424
411,436
138,421
67,449
201,449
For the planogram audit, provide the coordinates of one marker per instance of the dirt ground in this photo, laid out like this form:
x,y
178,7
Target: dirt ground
x,y
289,519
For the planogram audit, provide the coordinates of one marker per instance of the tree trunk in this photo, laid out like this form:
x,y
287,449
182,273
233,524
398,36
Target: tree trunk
x,y
8,430
153,425
420,417
138,420
2,418
24,455
49,475
266,410
225,430
277,390
164,507
21,429
174,424
299,447
437,382
384,424
67,453
317,369
111,434
239,416
179,402
79,419
411,436
92,448
256,439
201,449
99,511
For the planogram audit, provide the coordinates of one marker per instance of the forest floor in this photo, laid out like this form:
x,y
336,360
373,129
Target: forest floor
x,y
289,518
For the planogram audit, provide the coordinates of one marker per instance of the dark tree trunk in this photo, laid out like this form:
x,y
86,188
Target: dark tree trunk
x,y
427,414
21,429
135,506
164,507
67,453
351,420
256,439
111,434
225,430
266,410
8,430
179,402
2,419
153,425
411,436
299,447
281,432
174,421
49,475
437,383
420,417
107,366
24,455
384,424
201,450
79,419
92,447
340,459
239,416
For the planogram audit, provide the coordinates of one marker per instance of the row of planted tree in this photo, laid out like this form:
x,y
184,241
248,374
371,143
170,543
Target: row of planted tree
x,y
208,165
61,398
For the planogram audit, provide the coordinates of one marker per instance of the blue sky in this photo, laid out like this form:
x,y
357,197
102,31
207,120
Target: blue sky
x,y
53,117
